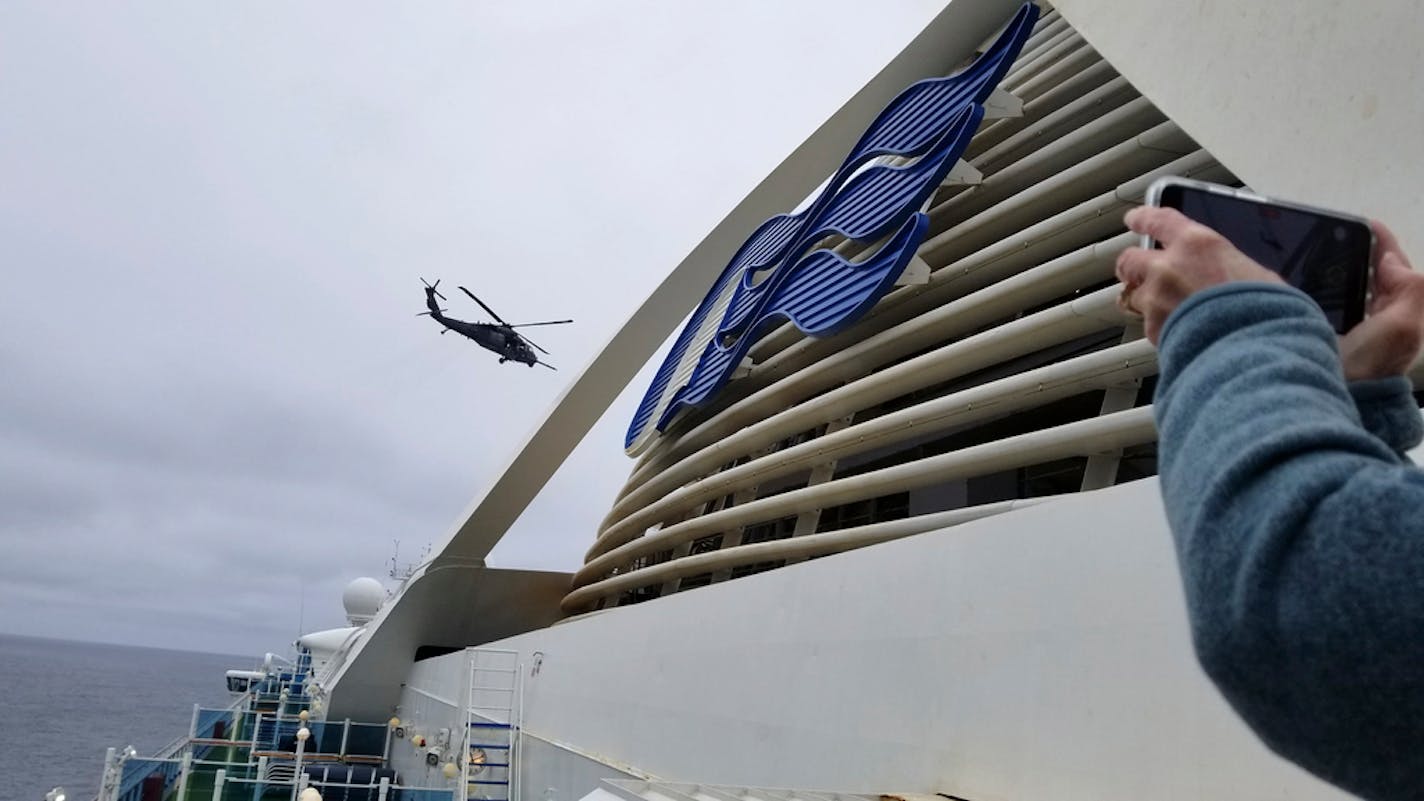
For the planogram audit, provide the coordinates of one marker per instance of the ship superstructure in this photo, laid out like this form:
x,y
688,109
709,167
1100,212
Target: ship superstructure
x,y
905,338
273,739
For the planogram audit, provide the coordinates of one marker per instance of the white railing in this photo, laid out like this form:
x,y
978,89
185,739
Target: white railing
x,y
226,788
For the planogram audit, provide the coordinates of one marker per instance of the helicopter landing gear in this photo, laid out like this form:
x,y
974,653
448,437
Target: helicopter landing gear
x,y
502,360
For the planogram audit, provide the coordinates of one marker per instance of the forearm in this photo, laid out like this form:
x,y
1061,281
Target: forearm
x,y
1296,530
1387,410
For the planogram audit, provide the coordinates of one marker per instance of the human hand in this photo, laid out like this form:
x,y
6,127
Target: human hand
x,y
1193,257
1388,341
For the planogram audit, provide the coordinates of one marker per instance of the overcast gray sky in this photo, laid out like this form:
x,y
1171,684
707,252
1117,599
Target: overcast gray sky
x,y
215,396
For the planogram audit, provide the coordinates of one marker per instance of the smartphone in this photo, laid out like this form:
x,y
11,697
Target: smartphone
x,y
1325,254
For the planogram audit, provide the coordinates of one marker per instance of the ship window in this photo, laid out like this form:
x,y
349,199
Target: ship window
x,y
1052,478
705,544
778,529
640,594
699,546
772,530
758,567
1146,391
693,582
797,439
862,513
649,560
776,486
1137,462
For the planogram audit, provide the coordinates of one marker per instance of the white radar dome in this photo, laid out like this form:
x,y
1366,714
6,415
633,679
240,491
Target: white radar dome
x,y
362,599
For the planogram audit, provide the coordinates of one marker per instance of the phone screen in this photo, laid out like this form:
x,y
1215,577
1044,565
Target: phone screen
x,y
1324,256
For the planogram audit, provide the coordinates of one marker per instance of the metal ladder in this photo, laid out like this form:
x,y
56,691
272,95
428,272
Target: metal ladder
x,y
492,708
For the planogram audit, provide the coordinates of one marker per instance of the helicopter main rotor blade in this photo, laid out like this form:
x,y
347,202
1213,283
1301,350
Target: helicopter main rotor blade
x,y
546,364
546,322
483,306
531,342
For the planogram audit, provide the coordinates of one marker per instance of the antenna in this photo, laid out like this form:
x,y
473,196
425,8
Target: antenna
x,y
401,572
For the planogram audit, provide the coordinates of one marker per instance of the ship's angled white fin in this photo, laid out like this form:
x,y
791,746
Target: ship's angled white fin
x,y
1002,104
963,174
915,273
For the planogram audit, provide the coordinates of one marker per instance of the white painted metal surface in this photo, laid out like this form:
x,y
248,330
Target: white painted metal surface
x,y
1038,654
1313,101
643,790
451,606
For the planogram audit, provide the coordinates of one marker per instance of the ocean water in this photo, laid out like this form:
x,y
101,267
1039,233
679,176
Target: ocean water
x,y
62,703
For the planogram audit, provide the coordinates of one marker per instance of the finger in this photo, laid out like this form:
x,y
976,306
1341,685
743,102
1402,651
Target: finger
x,y
1162,224
1152,328
1408,285
1385,274
1392,268
1158,298
1133,265
1386,241
1391,276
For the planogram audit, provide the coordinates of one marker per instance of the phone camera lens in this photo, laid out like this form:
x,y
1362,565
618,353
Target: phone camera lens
x,y
1340,233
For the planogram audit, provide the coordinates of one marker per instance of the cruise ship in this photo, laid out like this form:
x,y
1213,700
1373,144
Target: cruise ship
x,y
891,527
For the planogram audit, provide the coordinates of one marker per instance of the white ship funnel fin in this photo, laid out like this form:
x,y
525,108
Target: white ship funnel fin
x,y
1002,104
917,272
963,174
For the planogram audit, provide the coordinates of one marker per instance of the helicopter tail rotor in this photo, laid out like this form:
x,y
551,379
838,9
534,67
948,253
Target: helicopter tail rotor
x,y
435,287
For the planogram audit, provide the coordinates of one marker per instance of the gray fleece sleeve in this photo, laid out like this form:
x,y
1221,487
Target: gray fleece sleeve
x,y
1387,410
1300,538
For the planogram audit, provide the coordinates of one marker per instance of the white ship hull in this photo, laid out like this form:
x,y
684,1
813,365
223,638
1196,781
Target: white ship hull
x,y
1038,654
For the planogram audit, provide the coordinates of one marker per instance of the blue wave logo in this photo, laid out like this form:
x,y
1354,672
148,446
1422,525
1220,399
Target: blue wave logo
x,y
780,274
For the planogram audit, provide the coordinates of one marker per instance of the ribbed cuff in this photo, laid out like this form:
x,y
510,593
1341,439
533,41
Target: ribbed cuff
x,y
1388,411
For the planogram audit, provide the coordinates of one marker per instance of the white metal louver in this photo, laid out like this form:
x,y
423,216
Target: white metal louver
x,y
1012,356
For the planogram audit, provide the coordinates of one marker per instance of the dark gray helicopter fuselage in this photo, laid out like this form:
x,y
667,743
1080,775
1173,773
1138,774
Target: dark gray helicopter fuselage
x,y
501,339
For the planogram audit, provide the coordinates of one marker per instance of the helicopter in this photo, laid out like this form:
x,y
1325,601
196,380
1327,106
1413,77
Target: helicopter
x,y
499,337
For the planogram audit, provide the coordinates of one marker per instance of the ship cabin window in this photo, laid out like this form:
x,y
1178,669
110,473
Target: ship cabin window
x,y
640,594
863,513
765,532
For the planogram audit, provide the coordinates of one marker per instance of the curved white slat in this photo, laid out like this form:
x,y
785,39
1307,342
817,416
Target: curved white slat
x,y
941,322
800,547
1119,430
1094,371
